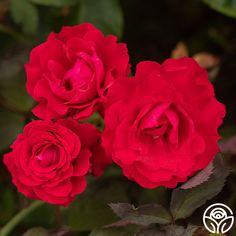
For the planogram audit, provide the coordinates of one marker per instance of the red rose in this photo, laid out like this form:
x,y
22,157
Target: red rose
x,y
49,160
162,125
70,73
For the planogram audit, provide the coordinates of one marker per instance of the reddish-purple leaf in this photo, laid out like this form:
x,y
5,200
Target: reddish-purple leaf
x,y
199,178
143,215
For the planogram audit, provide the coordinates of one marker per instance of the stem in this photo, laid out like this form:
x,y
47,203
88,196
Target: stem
x,y
14,34
19,217
57,214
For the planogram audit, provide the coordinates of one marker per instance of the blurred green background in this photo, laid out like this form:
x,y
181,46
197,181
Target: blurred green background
x,y
153,30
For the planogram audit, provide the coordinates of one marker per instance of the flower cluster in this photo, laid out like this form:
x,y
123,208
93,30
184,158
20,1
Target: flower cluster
x,y
160,125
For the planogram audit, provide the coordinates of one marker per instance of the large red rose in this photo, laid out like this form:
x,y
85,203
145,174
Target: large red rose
x,y
49,160
162,125
70,73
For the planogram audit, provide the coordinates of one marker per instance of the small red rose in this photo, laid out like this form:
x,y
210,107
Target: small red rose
x,y
49,160
70,73
161,125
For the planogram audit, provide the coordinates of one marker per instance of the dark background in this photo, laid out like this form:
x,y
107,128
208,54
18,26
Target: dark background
x,y
151,29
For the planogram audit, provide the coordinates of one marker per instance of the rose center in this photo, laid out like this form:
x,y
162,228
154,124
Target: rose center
x,y
155,123
167,122
48,156
79,77
158,130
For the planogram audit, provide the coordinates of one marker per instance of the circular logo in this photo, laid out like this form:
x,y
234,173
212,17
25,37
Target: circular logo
x,y
218,218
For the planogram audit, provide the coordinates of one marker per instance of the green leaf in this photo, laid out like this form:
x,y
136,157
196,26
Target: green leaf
x,y
127,231
185,202
61,231
97,120
25,13
39,231
13,93
176,230
151,231
227,7
170,230
55,3
90,209
143,215
104,14
10,125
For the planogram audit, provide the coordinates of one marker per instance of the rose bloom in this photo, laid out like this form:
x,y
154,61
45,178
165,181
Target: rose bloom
x,y
70,73
161,125
49,160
